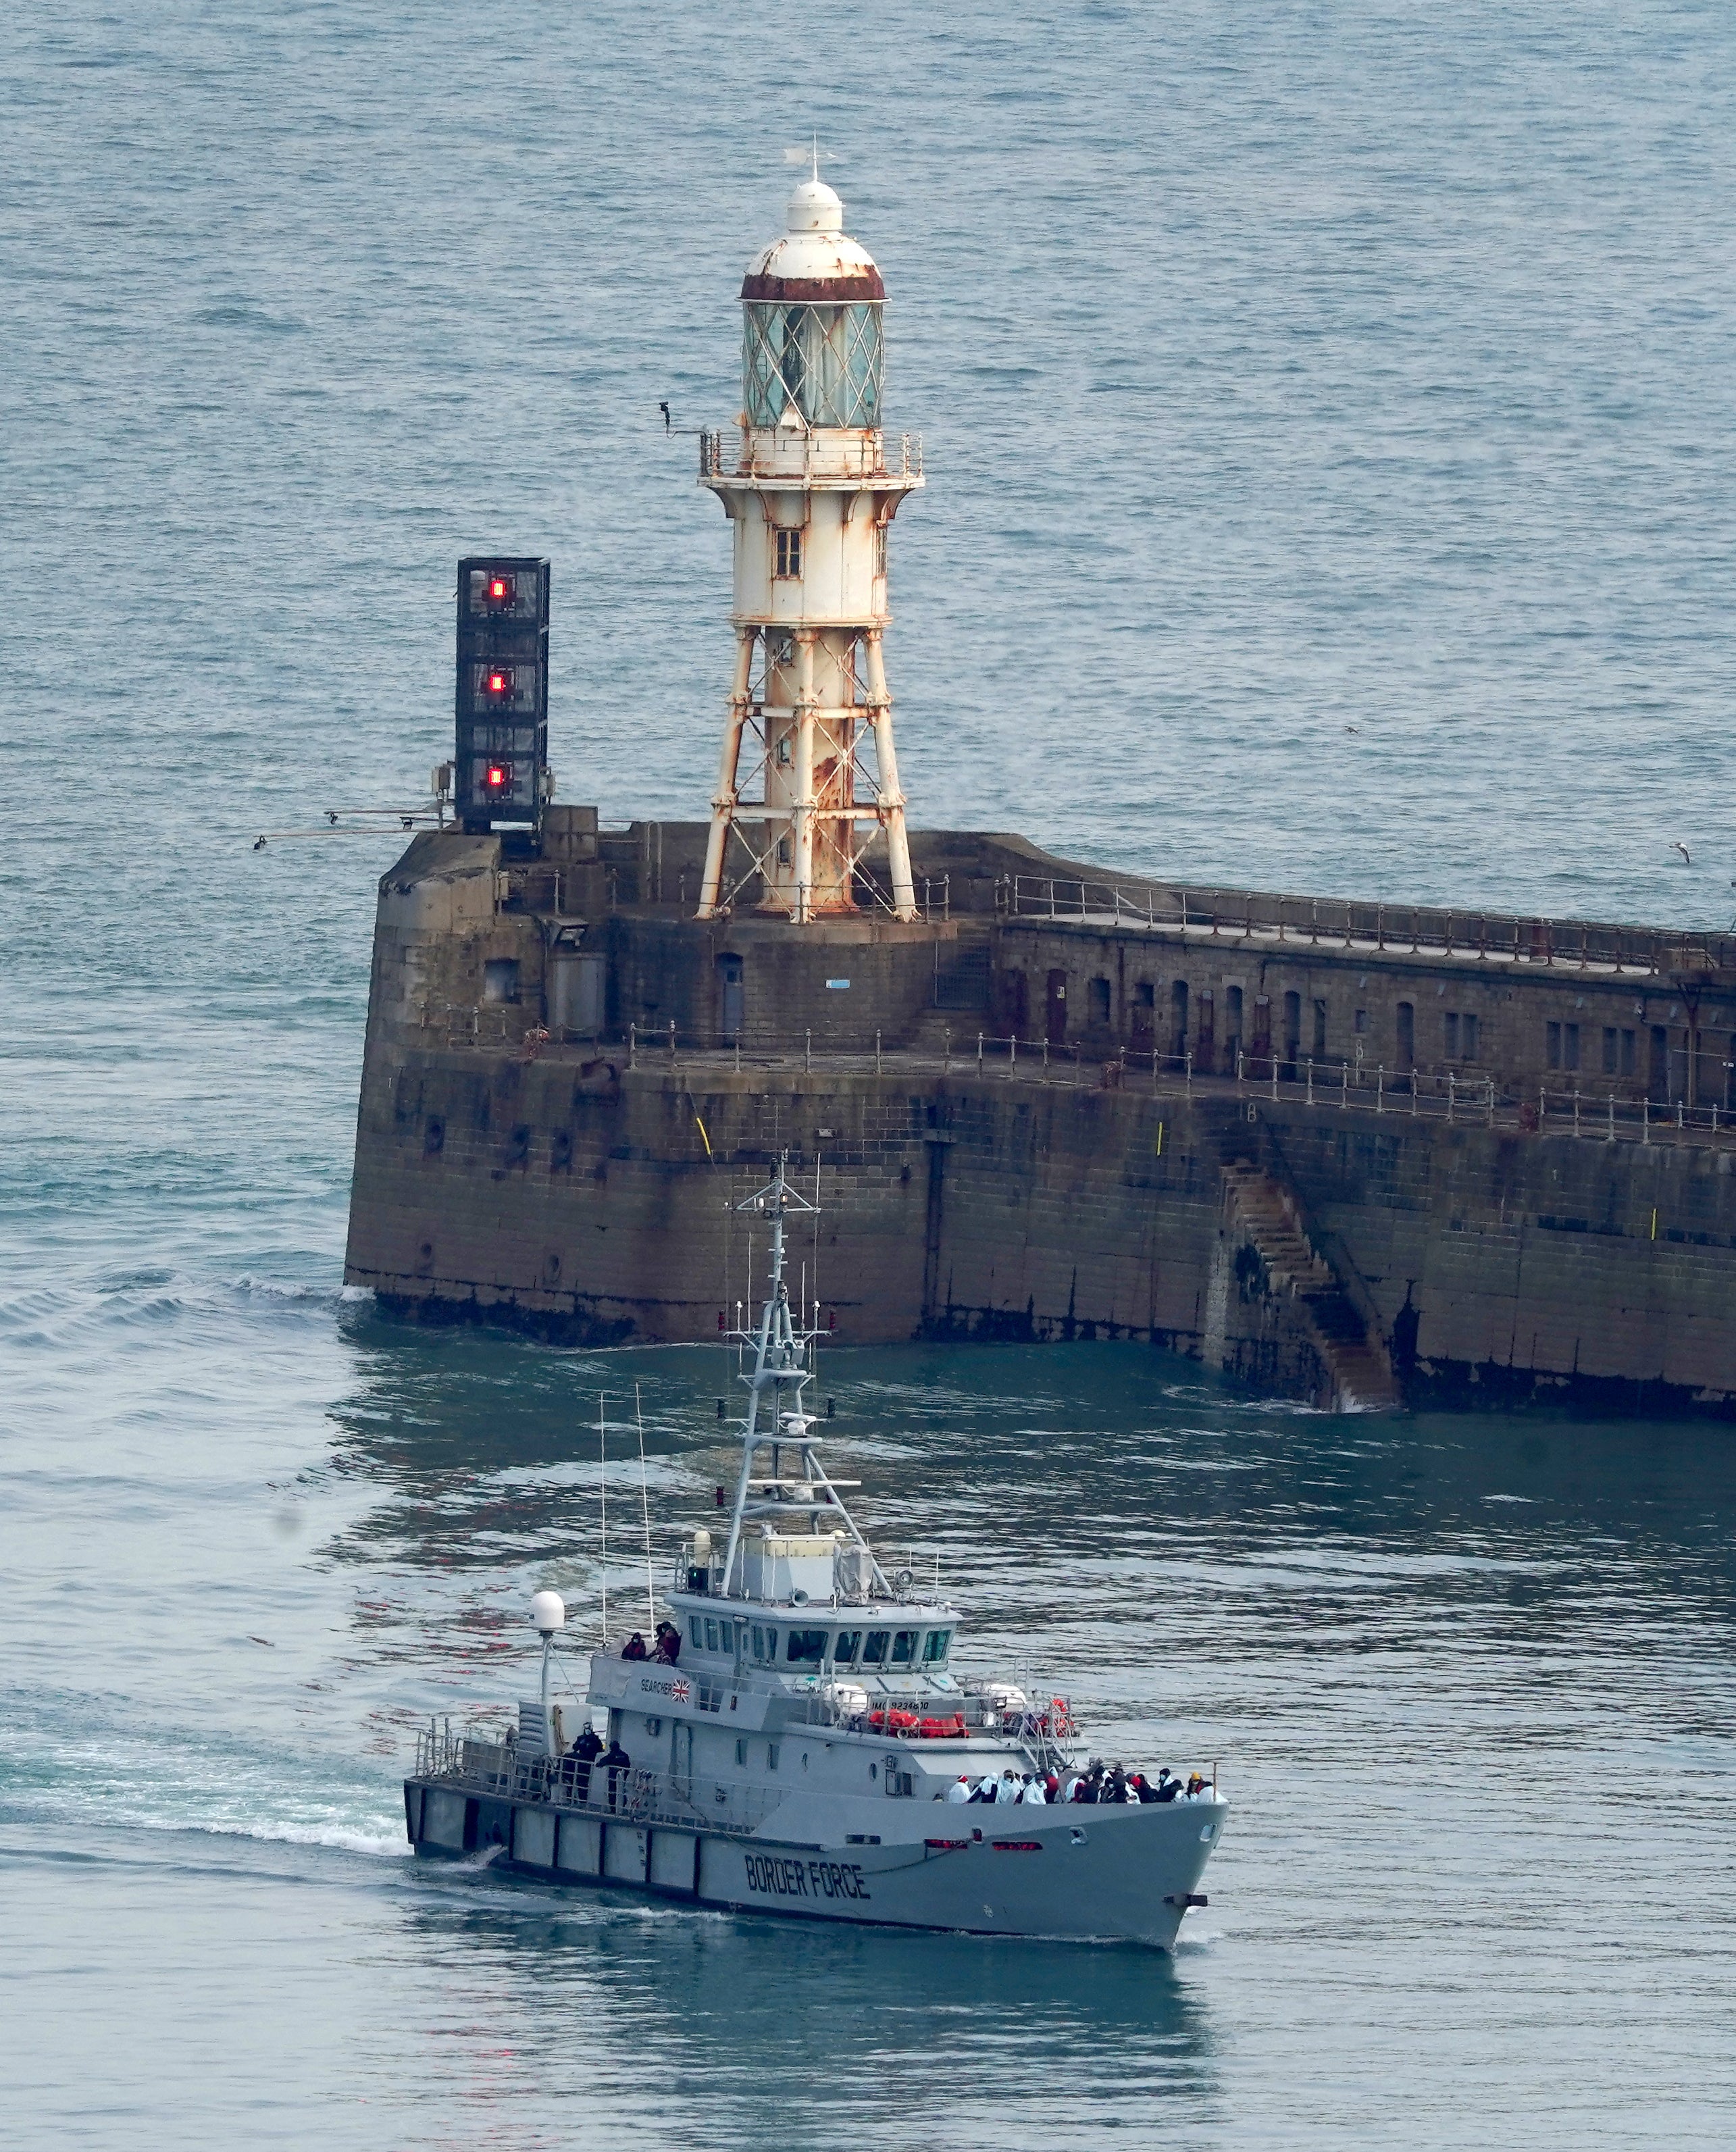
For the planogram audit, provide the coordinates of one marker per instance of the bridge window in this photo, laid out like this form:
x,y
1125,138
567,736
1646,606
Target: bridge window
x,y
849,1643
711,1636
805,1648
874,1647
904,1648
934,1648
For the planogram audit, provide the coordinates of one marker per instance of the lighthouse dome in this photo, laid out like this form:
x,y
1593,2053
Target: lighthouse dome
x,y
813,260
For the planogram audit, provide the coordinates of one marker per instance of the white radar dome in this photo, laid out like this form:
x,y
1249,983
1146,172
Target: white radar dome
x,y
548,1611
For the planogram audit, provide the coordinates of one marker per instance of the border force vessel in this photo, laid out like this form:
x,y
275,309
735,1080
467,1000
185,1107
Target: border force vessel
x,y
797,1742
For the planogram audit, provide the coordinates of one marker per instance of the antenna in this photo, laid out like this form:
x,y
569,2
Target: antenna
x,y
603,1457
645,1504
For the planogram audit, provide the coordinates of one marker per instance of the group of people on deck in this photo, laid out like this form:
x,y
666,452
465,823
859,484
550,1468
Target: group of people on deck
x,y
1097,1782
665,1651
588,1754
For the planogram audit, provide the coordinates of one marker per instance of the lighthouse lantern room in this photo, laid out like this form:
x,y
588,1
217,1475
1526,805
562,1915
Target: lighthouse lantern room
x,y
808,776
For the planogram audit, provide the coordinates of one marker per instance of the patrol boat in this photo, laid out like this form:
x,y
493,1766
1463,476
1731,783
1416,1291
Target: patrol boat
x,y
798,1754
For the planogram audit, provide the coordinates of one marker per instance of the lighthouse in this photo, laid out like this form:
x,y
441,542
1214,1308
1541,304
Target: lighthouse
x,y
808,776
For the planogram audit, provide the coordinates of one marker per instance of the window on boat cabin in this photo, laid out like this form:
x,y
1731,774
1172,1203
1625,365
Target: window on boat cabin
x,y
849,1643
758,1641
806,1646
741,1754
904,1648
874,1647
934,1648
694,1632
711,1635
771,1755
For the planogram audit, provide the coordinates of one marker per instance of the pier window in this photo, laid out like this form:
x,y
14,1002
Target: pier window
x,y
789,553
805,1648
1562,1042
904,1648
1361,1024
935,1646
1292,1034
1232,1029
1320,1031
500,979
1407,1035
1178,1020
1621,1051
849,1643
874,1647
1100,1001
1461,1036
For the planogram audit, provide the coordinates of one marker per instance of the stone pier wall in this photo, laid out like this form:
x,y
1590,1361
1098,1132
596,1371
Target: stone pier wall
x,y
590,1202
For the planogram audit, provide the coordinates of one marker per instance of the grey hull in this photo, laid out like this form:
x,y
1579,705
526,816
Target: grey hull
x,y
1100,1874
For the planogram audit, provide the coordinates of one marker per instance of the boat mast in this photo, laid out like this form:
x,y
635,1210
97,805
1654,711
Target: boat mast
x,y
781,1372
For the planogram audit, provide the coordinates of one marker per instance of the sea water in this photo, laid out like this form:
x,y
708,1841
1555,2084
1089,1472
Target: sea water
x,y
1327,418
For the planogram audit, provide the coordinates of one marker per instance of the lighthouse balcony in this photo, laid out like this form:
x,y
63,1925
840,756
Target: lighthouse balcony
x,y
829,455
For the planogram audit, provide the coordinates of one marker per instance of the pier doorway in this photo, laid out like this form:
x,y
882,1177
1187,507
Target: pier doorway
x,y
731,998
1055,1009
1407,1052
1657,1076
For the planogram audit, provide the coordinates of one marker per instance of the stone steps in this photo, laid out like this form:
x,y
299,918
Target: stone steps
x,y
1361,1376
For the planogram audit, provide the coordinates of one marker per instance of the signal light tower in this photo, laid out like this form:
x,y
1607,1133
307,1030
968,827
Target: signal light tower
x,y
500,772
810,498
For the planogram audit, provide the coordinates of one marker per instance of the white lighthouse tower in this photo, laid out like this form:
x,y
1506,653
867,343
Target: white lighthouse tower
x,y
808,775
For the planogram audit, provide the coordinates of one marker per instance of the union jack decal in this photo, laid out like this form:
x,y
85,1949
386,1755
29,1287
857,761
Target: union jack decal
x,y
680,1691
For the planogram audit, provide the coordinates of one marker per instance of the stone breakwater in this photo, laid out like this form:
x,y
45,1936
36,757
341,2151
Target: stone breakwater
x,y
1378,1224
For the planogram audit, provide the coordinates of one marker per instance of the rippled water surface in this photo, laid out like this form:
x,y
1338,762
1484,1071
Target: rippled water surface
x,y
1282,371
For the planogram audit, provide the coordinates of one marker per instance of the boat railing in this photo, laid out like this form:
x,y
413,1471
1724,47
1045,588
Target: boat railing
x,y
633,1795
930,1717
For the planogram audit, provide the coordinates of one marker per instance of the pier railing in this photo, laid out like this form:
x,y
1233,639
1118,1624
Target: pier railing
x,y
1409,930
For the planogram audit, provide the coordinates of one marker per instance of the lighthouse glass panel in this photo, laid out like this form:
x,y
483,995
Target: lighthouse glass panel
x,y
825,361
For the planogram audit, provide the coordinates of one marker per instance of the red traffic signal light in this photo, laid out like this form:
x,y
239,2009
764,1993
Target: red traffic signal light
x,y
499,778
497,683
501,593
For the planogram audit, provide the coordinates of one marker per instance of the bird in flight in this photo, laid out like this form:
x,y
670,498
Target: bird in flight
x,y
1687,857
